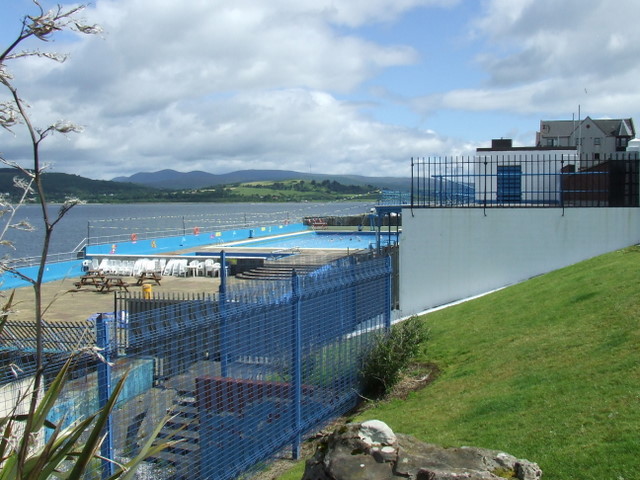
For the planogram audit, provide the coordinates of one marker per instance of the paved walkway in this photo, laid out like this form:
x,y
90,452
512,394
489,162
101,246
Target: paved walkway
x,y
63,301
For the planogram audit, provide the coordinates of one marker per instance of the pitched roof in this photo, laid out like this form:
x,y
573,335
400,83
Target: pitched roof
x,y
620,127
617,127
557,128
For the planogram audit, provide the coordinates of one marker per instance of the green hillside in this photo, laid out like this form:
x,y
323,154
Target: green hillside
x,y
59,186
547,370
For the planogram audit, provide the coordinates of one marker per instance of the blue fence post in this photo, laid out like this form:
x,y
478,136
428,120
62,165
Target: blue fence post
x,y
353,287
387,296
104,391
222,308
297,363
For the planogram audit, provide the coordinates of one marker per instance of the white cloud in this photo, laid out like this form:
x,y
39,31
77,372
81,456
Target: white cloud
x,y
219,86
293,129
548,57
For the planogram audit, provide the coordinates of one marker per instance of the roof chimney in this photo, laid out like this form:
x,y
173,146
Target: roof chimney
x,y
501,143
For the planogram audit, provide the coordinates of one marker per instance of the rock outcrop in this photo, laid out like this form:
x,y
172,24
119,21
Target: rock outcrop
x,y
372,451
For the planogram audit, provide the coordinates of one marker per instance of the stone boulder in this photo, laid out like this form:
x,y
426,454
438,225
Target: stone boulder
x,y
371,451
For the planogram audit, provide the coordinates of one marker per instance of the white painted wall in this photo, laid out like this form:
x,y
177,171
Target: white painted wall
x,y
447,254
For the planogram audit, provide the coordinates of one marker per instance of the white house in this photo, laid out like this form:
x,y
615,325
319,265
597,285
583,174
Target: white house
x,y
599,138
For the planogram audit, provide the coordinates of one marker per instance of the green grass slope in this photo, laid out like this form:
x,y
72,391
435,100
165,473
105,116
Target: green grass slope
x,y
547,370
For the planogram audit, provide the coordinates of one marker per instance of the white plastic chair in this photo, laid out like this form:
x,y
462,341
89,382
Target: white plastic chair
x,y
160,265
208,267
126,267
181,271
168,269
216,269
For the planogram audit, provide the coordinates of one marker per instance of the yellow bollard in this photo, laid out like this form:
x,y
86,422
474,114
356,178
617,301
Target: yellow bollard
x,y
146,290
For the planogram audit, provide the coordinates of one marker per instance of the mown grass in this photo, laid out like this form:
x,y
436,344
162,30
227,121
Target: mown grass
x,y
547,370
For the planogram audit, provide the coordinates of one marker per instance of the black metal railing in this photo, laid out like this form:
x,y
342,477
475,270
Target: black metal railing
x,y
514,180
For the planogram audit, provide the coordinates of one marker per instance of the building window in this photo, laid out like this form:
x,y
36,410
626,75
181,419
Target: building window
x,y
509,184
551,142
621,141
597,140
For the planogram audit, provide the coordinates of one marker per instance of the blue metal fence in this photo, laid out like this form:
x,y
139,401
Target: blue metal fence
x,y
512,179
245,372
252,369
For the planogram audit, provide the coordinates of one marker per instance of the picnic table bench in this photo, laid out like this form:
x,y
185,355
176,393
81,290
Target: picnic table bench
x,y
113,282
101,282
153,276
91,278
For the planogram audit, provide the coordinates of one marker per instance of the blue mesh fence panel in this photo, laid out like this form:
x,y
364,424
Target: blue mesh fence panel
x,y
243,375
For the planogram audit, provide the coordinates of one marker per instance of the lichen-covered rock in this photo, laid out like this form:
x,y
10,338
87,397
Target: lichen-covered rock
x,y
371,451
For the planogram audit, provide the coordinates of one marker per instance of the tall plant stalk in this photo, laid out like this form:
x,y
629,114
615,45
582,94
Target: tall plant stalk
x,y
20,458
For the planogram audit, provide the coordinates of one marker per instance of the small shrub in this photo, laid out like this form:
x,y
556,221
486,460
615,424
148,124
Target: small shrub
x,y
392,352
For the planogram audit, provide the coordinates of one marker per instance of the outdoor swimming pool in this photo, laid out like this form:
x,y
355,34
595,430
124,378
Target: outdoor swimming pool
x,y
321,240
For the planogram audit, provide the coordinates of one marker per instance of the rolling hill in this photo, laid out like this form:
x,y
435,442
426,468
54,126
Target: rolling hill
x,y
171,179
172,186
59,186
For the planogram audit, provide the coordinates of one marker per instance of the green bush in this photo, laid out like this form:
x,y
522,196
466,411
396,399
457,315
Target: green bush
x,y
391,354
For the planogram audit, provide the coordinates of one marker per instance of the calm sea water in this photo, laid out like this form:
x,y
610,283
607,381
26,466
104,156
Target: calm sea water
x,y
101,223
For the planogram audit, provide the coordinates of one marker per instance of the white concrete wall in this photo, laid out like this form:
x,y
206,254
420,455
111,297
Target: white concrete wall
x,y
447,254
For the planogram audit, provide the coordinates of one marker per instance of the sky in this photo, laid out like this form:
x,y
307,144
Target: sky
x,y
322,86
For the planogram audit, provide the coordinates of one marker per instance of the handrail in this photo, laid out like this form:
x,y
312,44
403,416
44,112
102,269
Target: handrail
x,y
34,261
83,243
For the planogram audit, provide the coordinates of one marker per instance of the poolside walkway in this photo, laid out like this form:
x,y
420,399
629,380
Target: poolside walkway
x,y
64,302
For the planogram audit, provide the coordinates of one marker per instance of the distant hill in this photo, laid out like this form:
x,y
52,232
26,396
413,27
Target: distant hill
x,y
172,186
171,179
59,186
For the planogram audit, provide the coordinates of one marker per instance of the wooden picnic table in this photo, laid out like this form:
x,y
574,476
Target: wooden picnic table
x,y
153,276
101,282
113,282
92,278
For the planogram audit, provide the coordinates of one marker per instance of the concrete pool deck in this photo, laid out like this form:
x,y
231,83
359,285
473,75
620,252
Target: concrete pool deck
x,y
64,302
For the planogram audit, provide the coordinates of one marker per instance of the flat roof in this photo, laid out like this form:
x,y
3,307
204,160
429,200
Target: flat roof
x,y
521,149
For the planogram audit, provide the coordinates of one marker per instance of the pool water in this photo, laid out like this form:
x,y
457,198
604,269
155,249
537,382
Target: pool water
x,y
314,239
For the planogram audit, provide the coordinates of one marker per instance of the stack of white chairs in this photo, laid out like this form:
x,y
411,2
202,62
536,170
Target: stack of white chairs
x,y
168,268
216,269
159,265
208,267
137,267
181,268
109,266
196,268
125,267
149,266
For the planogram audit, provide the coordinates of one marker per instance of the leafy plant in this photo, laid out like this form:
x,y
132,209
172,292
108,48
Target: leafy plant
x,y
391,354
68,451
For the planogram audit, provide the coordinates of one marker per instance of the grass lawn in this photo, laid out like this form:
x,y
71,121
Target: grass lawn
x,y
547,370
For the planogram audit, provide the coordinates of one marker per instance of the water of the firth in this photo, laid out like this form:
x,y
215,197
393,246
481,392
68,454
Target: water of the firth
x,y
99,222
